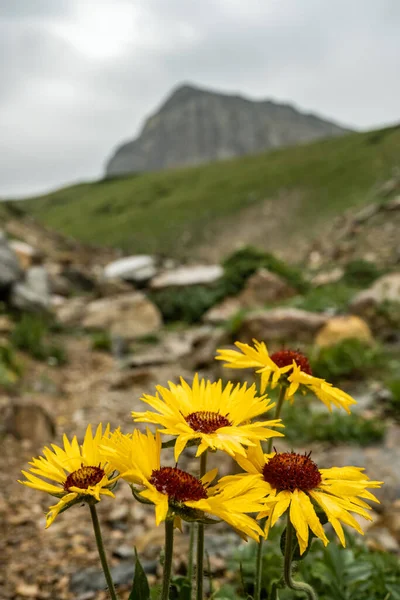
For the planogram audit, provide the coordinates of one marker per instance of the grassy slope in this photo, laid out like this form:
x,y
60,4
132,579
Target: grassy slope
x,y
150,212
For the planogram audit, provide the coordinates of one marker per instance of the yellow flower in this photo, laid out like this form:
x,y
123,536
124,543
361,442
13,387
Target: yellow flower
x,y
174,491
219,418
286,367
294,482
79,473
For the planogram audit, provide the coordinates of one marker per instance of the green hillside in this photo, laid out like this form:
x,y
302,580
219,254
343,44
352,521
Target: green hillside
x,y
268,199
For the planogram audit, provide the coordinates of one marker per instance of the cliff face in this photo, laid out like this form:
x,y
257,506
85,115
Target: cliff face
x,y
195,126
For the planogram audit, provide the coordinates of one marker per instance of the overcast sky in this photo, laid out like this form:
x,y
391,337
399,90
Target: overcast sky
x,y
78,77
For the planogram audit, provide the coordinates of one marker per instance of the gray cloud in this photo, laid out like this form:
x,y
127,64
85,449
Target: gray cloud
x,y
79,78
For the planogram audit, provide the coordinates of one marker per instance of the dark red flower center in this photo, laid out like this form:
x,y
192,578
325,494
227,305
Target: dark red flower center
x,y
84,477
205,421
178,485
283,358
291,471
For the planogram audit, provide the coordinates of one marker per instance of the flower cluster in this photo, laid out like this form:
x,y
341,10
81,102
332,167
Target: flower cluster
x,y
216,418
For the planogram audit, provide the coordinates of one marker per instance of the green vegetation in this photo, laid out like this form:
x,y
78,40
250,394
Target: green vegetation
x,y
334,572
186,304
304,426
393,403
190,303
350,359
174,211
31,335
10,369
332,296
244,262
101,341
361,273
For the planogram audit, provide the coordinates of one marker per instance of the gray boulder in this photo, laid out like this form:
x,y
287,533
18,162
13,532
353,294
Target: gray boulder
x,y
32,294
10,270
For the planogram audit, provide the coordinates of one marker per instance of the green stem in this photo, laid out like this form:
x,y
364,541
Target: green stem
x,y
102,553
257,584
277,414
200,539
298,586
169,547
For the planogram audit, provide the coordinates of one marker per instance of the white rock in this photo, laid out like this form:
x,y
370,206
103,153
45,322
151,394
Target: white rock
x,y
194,275
131,268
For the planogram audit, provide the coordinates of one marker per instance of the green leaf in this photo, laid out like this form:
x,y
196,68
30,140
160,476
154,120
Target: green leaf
x,y
140,588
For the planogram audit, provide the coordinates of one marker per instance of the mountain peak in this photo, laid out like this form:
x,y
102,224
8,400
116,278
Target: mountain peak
x,y
196,125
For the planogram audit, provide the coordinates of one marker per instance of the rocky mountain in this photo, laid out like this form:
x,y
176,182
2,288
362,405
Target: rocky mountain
x,y
196,126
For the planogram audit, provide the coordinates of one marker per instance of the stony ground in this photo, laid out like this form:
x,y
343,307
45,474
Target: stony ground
x,y
61,563
54,563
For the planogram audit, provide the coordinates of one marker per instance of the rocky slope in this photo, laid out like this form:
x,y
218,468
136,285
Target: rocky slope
x,y
196,126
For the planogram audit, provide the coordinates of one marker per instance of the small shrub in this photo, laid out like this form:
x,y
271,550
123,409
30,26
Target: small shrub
x,y
189,304
350,358
101,341
393,403
244,262
304,426
186,304
29,335
10,369
354,572
361,273
333,296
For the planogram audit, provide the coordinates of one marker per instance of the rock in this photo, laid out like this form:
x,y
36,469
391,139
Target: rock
x,y
127,378
281,324
342,328
224,311
26,253
380,538
230,125
112,287
119,512
33,294
183,276
380,462
10,270
29,422
264,287
129,316
132,268
386,288
28,590
149,358
327,277
124,551
87,580
71,312
393,204
61,286
6,325
204,348
379,305
79,278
